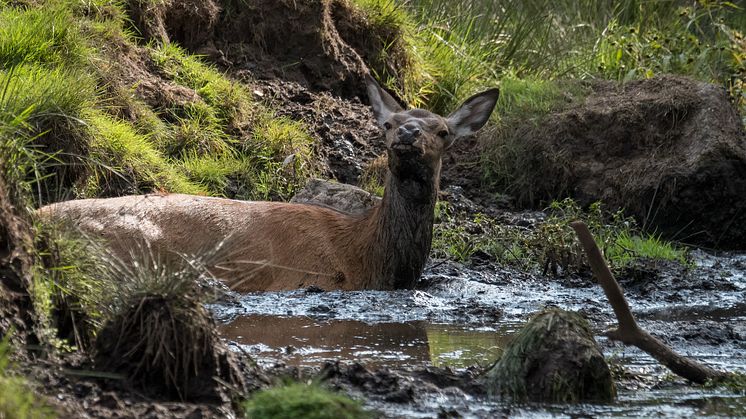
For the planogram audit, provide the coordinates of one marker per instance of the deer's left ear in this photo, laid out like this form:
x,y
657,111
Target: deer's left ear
x,y
473,113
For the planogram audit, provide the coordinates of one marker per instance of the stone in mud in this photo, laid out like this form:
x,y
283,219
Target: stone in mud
x,y
338,196
669,150
554,358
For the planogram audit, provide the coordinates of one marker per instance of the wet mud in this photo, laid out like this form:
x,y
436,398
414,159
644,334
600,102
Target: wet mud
x,y
421,353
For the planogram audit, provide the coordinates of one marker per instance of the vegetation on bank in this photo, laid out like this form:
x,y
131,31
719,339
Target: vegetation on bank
x,y
56,69
70,127
461,47
299,400
550,246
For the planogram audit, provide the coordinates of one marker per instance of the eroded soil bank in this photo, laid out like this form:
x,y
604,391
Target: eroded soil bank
x,y
420,353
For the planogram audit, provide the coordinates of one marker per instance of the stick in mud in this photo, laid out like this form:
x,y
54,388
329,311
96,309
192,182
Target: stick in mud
x,y
628,331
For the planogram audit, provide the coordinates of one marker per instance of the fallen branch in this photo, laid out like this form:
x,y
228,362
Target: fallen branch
x,y
628,331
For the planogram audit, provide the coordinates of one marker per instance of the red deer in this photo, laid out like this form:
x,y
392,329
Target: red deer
x,y
261,246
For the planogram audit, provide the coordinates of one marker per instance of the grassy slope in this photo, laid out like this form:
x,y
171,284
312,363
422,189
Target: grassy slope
x,y
70,128
59,75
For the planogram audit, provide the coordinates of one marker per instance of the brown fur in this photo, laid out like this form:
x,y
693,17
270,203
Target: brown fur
x,y
258,246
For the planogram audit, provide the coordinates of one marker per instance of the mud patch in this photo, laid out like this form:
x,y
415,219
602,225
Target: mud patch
x,y
669,150
348,138
424,378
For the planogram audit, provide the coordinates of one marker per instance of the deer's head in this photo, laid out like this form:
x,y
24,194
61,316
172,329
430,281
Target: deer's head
x,y
416,138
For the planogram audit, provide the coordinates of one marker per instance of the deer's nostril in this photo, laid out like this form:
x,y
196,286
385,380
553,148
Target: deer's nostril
x,y
416,132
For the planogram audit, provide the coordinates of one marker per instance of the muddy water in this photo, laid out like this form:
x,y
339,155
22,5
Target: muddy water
x,y
462,317
305,341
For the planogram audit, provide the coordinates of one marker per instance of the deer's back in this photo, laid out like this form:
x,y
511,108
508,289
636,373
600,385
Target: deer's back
x,y
252,245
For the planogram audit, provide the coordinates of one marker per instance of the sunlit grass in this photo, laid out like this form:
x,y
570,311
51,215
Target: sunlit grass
x,y
46,35
214,171
118,151
298,400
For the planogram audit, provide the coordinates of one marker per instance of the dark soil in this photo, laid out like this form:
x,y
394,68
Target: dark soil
x,y
348,138
16,308
671,151
74,389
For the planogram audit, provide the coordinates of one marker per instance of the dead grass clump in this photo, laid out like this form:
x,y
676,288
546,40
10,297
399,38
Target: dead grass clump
x,y
159,334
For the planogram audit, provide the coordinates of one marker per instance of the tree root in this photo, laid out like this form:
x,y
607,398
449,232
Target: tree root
x,y
628,331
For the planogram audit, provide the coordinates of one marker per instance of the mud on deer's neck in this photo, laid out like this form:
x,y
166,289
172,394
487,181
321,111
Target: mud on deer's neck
x,y
398,233
402,230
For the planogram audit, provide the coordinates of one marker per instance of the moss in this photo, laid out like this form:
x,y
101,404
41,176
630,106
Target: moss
x,y
554,358
305,401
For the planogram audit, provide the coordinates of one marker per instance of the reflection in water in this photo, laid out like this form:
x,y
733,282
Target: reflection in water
x,y
307,341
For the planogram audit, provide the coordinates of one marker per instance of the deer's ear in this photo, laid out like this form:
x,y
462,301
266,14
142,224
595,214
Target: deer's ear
x,y
473,113
382,103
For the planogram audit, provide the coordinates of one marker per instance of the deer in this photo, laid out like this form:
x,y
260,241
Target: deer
x,y
258,246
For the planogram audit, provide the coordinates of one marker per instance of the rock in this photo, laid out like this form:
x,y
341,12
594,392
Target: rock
x,y
670,150
339,196
554,358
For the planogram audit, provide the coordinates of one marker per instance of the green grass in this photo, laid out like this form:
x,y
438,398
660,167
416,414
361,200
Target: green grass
x,y
17,401
118,152
73,281
230,102
551,247
274,152
214,172
46,36
302,401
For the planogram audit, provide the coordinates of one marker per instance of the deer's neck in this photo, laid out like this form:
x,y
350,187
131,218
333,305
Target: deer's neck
x,y
401,231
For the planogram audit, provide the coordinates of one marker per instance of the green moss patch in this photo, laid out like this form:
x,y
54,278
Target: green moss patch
x,y
299,400
554,358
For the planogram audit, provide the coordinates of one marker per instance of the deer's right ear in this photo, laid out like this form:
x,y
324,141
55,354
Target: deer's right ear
x,y
382,103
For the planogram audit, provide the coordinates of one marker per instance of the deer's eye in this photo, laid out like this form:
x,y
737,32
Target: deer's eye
x,y
387,125
443,134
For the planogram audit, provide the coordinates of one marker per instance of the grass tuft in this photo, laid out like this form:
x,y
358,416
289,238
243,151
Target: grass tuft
x,y
297,400
157,331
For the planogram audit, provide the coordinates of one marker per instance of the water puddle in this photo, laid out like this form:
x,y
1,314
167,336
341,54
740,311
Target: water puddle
x,y
305,341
